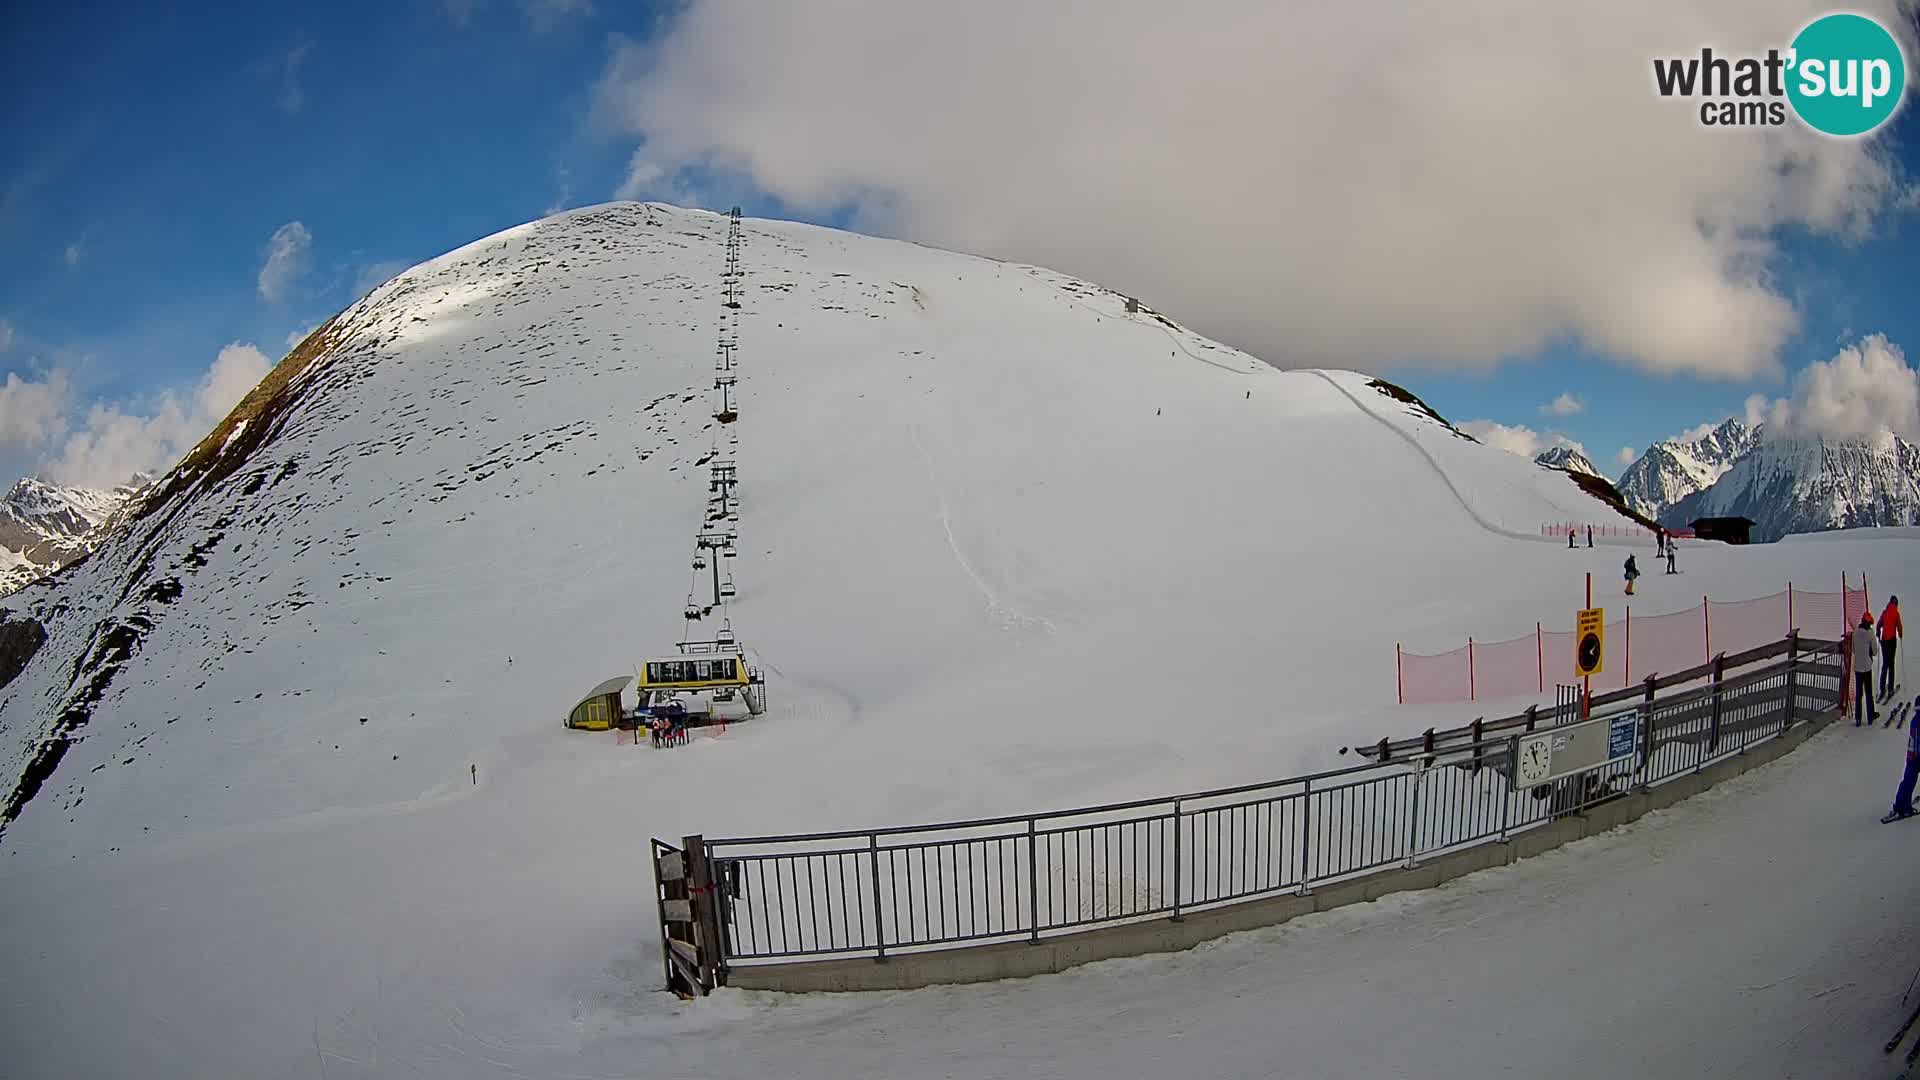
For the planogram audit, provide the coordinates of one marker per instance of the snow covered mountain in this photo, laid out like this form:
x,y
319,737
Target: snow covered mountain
x,y
1566,458
44,527
1673,469
1797,485
293,793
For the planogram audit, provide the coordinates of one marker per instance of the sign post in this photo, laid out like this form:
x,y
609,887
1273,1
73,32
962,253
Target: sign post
x,y
1590,647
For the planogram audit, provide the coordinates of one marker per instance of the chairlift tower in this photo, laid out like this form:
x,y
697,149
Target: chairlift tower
x,y
721,545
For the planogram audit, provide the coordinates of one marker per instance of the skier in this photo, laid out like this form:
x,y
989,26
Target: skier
x,y
1670,568
1864,654
1903,798
1632,572
1589,536
1891,631
1570,533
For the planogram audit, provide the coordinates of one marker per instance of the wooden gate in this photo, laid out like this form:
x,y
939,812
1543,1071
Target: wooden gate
x,y
689,917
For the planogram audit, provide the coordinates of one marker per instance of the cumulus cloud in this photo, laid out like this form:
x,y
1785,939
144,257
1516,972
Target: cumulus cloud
x,y
288,254
1564,405
74,254
1628,455
100,444
1517,439
1863,390
32,411
6,335
1321,186
460,11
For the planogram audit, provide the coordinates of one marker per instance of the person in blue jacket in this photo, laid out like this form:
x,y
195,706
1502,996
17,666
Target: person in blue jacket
x,y
1903,798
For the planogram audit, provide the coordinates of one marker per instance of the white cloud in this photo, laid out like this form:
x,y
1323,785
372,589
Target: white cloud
x,y
1564,405
74,254
6,335
1518,439
115,441
1864,390
294,339
460,11
287,258
1698,432
292,97
1355,188
1628,455
32,411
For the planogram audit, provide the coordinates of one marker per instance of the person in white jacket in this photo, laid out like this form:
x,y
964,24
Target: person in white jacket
x,y
1865,652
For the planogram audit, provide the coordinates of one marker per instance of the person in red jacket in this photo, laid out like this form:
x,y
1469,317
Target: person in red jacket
x,y
1891,631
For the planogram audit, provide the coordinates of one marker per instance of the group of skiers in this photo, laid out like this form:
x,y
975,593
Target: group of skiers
x,y
1662,544
1867,647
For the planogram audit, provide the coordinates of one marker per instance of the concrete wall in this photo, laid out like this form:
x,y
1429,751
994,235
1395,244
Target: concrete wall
x,y
1010,960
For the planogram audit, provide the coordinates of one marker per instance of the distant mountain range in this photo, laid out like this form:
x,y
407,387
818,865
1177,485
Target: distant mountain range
x,y
1673,469
1567,458
44,527
1783,484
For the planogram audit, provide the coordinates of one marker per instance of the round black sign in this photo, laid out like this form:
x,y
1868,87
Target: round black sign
x,y
1589,651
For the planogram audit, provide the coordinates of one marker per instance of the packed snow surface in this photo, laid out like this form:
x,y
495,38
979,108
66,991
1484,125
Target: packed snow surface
x,y
1004,545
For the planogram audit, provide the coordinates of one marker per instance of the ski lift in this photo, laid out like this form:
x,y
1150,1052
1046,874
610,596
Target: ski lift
x,y
692,613
699,562
726,589
730,552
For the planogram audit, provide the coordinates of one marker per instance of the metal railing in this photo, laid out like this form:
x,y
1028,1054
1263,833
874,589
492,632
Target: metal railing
x,y
877,892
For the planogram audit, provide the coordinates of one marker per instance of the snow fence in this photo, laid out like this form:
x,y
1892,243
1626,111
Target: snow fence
x,y
1637,646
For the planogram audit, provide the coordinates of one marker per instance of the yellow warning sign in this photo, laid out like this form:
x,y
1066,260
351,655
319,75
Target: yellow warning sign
x,y
1590,641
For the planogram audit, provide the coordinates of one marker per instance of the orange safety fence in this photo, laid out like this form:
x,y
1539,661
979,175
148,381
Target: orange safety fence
x,y
1636,646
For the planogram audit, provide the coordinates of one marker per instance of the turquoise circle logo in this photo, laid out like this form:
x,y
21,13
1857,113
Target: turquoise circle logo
x,y
1848,74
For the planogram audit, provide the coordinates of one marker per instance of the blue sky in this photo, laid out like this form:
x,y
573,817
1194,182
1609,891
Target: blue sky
x,y
153,157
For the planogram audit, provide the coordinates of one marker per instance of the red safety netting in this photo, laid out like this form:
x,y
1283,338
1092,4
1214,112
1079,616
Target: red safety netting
x,y
1637,646
1507,668
1445,677
1820,614
1740,625
1665,643
1857,605
1559,530
1557,651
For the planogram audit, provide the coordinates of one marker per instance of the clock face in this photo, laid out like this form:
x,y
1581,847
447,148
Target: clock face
x,y
1536,760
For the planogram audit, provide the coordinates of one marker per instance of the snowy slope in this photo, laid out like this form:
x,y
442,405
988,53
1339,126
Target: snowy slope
x,y
1673,469
992,523
1566,458
1798,485
957,476
43,526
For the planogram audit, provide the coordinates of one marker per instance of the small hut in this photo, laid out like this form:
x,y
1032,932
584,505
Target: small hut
x,y
1731,530
600,709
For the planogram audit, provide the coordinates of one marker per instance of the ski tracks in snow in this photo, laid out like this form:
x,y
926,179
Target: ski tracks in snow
x,y
1007,617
